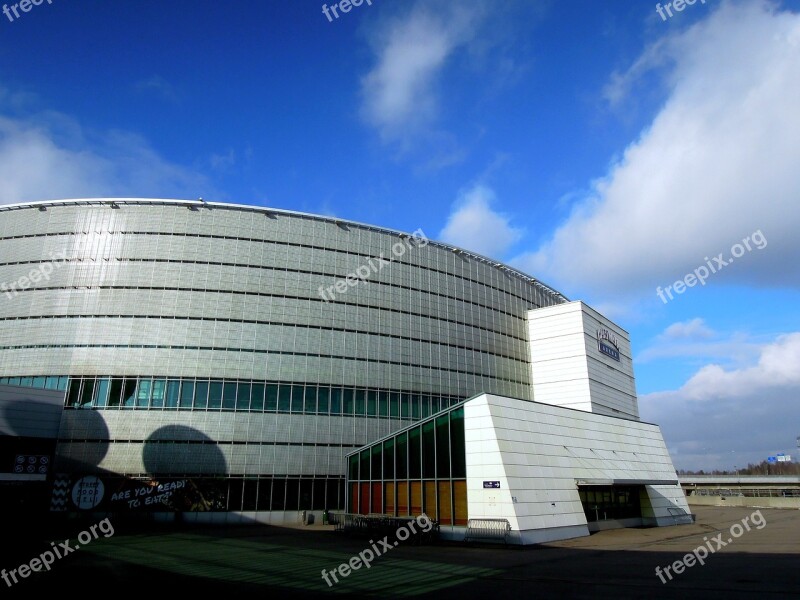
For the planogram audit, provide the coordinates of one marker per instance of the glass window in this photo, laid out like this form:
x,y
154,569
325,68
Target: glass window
x,y
377,461
173,393
428,450
334,493
87,393
257,397
187,394
102,392
74,394
415,404
271,399
361,403
416,498
348,401
50,384
457,444
115,393
324,400
430,500
442,447
319,495
363,472
229,396
292,494
372,403
129,392
201,394
460,502
377,498
284,398
143,393
402,498
353,500
310,403
306,491
383,404
264,494
353,472
39,382
414,453
388,498
401,456
336,401
298,402
394,405
159,386
445,503
363,496
215,394
388,459
425,403
242,397
278,494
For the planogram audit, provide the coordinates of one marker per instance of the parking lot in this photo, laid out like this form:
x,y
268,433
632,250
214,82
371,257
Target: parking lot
x,y
754,562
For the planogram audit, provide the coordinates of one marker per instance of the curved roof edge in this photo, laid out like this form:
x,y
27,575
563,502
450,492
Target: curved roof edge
x,y
279,211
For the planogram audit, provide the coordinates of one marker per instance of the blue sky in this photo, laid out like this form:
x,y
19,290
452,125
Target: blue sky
x,y
591,144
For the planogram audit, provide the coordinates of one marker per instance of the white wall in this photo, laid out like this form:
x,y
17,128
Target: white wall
x,y
539,452
568,369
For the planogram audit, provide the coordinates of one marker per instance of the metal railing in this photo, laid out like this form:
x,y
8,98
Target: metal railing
x,y
746,492
487,529
386,525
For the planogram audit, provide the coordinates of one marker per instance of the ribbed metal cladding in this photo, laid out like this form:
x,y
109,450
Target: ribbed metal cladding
x,y
133,288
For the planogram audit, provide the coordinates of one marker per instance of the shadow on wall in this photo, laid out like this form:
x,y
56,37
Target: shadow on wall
x,y
177,449
86,455
31,425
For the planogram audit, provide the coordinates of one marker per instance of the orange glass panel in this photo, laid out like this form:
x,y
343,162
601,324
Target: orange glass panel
x,y
460,497
402,498
445,507
364,499
389,496
430,499
416,498
377,497
354,498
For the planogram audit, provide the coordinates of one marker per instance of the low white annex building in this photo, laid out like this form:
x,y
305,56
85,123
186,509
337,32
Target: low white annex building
x,y
574,460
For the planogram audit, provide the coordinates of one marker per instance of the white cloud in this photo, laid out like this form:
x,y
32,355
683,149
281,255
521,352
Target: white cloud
x,y
726,417
50,155
400,92
718,162
692,329
694,341
473,225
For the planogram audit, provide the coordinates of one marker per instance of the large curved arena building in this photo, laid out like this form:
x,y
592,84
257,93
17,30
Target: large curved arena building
x,y
218,357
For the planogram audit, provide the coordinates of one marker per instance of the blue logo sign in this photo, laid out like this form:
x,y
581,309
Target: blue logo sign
x,y
491,485
607,343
